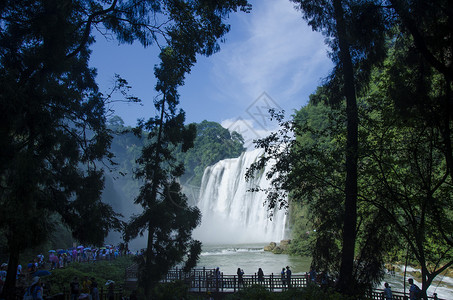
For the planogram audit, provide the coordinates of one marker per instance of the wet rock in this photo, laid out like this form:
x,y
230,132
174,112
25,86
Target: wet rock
x,y
270,247
284,244
277,250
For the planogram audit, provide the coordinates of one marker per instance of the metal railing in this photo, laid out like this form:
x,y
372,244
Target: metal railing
x,y
205,280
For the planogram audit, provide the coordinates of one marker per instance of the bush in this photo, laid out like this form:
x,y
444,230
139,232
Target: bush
x,y
101,271
173,290
254,292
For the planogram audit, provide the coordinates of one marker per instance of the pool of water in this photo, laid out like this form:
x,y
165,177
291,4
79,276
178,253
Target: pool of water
x,y
249,257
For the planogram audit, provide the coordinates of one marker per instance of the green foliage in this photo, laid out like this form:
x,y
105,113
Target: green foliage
x,y
102,271
166,214
367,187
302,234
254,292
356,34
173,290
53,128
406,165
53,116
313,171
212,144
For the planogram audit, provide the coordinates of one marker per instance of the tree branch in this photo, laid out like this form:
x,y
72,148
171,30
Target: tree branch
x,y
86,33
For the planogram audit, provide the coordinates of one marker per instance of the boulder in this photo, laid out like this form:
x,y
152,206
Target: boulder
x,y
270,247
277,250
284,244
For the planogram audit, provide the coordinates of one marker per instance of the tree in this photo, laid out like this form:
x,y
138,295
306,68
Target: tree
x,y
407,163
428,26
53,119
354,49
166,215
420,87
311,169
53,130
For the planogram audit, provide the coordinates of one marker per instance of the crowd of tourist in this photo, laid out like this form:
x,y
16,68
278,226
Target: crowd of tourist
x,y
28,278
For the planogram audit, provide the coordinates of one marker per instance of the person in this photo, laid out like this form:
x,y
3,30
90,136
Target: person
x,y
324,279
75,289
414,290
111,291
260,275
35,291
283,277
387,292
288,276
18,271
240,274
3,272
94,289
218,278
86,286
435,296
46,287
31,267
313,275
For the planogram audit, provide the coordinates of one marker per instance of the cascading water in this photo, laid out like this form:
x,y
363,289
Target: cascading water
x,y
231,213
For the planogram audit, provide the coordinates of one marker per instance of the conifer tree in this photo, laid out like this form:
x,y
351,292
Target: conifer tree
x,y
166,219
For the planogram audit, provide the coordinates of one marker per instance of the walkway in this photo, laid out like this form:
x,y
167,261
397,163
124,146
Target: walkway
x,y
204,280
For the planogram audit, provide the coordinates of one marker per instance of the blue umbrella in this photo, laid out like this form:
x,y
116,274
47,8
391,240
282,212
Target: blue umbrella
x,y
41,273
52,251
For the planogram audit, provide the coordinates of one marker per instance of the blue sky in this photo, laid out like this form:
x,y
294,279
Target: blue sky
x,y
271,58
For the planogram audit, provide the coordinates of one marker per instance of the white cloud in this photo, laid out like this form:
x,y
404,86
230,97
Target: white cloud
x,y
277,53
249,130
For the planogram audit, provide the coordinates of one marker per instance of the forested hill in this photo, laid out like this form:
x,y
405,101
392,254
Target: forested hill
x,y
212,144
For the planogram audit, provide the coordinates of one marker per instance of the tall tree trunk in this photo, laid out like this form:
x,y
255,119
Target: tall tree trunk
x,y
9,288
155,186
148,263
346,280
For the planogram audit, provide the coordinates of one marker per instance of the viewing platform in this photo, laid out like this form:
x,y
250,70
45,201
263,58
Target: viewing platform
x,y
201,281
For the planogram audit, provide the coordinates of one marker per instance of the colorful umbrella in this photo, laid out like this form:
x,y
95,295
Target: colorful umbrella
x,y
109,282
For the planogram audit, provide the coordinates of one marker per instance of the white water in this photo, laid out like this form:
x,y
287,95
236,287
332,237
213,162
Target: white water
x,y
232,214
442,285
249,257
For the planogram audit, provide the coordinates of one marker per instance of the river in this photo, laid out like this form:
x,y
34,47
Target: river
x,y
250,257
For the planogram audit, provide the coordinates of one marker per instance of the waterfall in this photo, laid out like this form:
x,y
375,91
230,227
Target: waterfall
x,y
231,213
